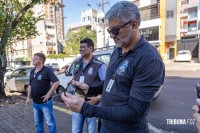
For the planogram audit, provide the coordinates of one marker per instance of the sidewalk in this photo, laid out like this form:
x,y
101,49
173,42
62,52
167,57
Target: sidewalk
x,y
18,118
182,66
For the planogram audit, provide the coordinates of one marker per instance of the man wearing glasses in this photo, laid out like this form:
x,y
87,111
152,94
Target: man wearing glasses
x,y
134,74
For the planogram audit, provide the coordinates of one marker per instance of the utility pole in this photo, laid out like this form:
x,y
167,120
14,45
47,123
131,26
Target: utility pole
x,y
103,24
103,20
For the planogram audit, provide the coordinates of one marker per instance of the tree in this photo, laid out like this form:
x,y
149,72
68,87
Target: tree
x,y
73,40
16,23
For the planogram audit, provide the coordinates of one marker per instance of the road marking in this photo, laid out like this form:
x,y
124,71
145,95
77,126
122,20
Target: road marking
x,y
156,130
62,110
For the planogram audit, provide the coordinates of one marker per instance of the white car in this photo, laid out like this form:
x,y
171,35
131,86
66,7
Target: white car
x,y
66,76
183,55
104,56
9,70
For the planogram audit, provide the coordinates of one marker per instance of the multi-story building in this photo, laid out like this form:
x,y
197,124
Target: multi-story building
x,y
103,37
88,20
172,27
51,35
159,25
190,27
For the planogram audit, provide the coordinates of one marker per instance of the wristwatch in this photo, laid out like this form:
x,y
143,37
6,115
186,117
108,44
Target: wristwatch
x,y
99,96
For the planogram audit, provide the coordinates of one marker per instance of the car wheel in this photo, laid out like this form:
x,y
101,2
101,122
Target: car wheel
x,y
26,89
7,89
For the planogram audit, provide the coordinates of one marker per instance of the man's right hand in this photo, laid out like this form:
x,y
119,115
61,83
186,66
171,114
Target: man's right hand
x,y
196,114
83,86
28,102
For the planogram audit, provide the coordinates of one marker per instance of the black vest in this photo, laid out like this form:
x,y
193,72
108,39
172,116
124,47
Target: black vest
x,y
90,73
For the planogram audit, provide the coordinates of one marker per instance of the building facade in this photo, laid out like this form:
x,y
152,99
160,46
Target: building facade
x,y
160,25
88,20
190,27
50,38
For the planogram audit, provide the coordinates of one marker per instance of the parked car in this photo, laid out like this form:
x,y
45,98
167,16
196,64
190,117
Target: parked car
x,y
183,55
104,56
9,70
66,76
55,66
18,80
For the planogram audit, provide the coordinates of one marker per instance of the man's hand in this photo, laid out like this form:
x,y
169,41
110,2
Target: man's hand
x,y
93,100
65,67
73,102
28,102
83,86
46,97
196,115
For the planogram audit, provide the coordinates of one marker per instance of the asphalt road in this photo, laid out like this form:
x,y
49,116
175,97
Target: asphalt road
x,y
172,110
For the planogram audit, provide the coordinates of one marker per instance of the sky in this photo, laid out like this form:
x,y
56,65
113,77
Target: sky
x,y
73,8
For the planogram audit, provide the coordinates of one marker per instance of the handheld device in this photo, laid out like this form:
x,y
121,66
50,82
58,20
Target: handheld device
x,y
71,89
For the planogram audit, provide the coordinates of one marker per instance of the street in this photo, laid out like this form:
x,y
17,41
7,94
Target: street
x,y
172,111
175,102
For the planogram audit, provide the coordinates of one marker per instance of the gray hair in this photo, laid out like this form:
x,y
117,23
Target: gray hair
x,y
125,10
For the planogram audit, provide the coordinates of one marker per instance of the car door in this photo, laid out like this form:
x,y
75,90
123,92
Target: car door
x,y
21,79
11,80
66,77
105,58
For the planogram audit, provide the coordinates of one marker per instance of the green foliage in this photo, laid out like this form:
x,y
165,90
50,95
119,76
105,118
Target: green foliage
x,y
16,23
25,27
57,56
73,40
23,59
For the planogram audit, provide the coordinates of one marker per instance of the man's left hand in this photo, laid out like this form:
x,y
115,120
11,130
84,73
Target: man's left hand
x,y
73,102
46,97
93,100
196,114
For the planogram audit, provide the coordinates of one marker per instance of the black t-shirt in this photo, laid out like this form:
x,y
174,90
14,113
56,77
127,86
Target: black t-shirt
x,y
41,83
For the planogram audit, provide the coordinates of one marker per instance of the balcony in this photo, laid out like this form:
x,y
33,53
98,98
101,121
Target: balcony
x,y
50,43
184,14
192,29
183,30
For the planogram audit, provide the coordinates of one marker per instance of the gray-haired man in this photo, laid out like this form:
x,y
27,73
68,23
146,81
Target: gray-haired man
x,y
134,74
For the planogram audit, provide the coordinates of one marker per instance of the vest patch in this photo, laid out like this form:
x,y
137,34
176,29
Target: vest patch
x,y
122,68
77,66
90,71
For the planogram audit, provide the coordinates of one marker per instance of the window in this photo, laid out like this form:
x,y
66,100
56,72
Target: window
x,y
192,12
149,12
192,26
104,58
183,2
71,69
22,73
15,73
170,14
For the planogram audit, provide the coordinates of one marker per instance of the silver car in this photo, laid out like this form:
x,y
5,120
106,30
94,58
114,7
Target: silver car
x,y
18,80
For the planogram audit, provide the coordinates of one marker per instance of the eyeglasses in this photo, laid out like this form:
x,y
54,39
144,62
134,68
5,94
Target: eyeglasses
x,y
115,30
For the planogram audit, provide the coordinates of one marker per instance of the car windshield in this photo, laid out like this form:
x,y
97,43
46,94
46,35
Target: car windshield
x,y
54,64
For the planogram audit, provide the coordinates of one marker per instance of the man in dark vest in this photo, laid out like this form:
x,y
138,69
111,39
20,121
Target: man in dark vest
x,y
91,71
